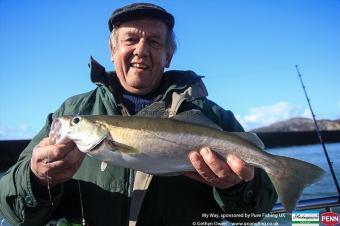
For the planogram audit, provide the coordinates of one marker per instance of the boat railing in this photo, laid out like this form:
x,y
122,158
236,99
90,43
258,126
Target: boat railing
x,y
326,203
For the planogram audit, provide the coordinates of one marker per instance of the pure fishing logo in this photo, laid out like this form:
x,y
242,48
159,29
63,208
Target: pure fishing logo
x,y
308,218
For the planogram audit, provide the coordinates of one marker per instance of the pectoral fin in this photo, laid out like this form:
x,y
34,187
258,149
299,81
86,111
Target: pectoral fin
x,y
122,147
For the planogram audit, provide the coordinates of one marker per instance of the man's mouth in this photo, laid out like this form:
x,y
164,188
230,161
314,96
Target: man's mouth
x,y
139,66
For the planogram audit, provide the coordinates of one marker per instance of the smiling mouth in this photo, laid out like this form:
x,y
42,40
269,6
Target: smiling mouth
x,y
139,66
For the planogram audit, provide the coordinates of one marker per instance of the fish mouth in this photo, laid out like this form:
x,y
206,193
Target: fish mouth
x,y
56,135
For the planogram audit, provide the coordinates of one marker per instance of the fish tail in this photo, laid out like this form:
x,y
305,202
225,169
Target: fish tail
x,y
297,175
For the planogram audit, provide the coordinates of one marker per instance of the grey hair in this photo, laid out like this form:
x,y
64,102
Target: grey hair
x,y
171,42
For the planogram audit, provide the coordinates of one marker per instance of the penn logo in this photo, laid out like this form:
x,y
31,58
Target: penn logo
x,y
330,218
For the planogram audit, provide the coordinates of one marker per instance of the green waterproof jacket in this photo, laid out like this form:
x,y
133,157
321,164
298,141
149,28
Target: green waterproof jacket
x,y
120,196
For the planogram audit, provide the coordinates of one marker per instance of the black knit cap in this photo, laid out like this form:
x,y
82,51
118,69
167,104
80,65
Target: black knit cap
x,y
138,10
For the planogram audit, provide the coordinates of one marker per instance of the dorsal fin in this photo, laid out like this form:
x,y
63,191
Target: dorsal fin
x,y
251,137
155,110
196,117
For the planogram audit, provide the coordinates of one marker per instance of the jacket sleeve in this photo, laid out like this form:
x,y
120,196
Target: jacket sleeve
x,y
20,201
23,201
254,197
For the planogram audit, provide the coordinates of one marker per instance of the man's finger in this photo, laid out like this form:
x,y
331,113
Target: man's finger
x,y
52,152
58,151
201,167
241,168
72,159
220,168
43,142
217,166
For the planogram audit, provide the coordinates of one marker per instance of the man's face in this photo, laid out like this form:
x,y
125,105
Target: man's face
x,y
141,54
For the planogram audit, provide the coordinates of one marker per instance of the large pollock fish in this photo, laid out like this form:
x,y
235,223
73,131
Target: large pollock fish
x,y
160,146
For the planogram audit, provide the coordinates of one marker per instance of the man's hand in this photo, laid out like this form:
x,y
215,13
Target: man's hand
x,y
59,161
215,172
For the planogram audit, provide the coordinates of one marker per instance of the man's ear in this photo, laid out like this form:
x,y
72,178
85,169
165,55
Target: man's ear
x,y
112,50
168,59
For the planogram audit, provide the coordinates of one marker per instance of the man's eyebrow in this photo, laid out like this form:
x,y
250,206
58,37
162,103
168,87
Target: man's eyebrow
x,y
134,33
130,33
157,36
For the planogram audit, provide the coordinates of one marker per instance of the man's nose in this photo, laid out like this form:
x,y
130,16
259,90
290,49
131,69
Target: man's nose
x,y
141,49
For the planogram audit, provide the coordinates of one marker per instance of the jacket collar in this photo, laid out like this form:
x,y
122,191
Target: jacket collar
x,y
187,84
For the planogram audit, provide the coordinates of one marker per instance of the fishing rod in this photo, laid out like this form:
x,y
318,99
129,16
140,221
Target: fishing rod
x,y
319,133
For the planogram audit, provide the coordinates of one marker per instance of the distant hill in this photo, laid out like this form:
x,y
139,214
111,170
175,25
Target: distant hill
x,y
299,124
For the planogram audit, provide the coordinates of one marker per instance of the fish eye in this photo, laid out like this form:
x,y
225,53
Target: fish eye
x,y
75,120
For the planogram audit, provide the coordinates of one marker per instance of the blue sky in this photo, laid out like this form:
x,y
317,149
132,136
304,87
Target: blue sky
x,y
247,51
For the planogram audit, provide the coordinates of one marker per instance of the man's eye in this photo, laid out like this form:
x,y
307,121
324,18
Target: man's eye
x,y
130,40
155,44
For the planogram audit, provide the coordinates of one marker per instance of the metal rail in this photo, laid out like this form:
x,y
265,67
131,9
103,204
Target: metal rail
x,y
309,204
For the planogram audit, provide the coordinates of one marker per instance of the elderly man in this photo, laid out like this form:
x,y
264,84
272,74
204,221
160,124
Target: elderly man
x,y
141,45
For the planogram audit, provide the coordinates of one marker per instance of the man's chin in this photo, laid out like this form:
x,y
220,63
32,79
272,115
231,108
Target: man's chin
x,y
138,89
140,84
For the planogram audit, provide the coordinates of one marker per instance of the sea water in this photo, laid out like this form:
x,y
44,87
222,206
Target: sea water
x,y
310,153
